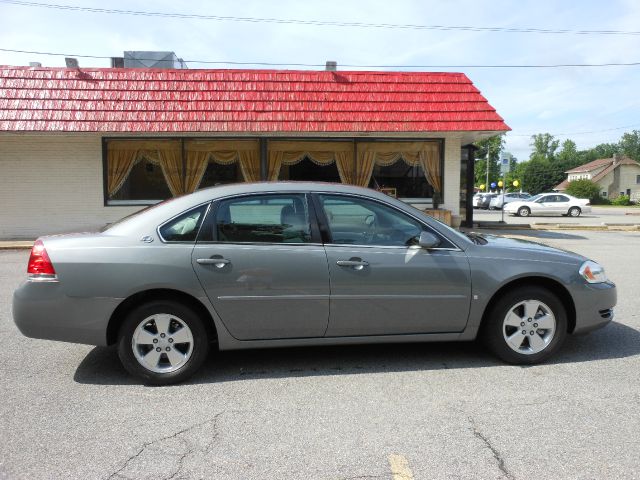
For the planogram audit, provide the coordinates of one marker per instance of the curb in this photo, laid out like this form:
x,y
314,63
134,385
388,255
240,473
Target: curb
x,y
16,245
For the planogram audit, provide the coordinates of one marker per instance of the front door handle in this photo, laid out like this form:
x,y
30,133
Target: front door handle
x,y
355,263
216,260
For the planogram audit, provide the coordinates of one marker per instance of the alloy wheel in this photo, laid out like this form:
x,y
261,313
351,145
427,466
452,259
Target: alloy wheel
x,y
529,327
162,343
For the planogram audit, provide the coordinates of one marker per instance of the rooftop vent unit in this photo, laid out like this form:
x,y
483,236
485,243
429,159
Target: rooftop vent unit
x,y
140,59
117,62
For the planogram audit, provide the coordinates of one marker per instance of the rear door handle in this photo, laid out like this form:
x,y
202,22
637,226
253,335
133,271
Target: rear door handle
x,y
353,263
219,262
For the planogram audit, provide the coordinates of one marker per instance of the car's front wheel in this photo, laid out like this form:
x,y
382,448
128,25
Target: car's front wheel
x,y
524,212
525,326
162,342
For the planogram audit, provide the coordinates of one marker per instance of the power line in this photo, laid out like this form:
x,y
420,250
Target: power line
x,y
323,23
578,133
275,64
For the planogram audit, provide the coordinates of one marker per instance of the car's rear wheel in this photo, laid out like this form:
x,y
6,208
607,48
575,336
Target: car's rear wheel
x,y
524,212
162,342
574,212
525,326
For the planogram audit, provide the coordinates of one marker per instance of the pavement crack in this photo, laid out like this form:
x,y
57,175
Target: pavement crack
x,y
494,451
181,456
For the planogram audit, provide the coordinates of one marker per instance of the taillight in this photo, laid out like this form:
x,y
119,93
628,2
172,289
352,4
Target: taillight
x,y
40,266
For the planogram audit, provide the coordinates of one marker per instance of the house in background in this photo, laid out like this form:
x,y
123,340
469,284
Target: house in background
x,y
615,176
82,147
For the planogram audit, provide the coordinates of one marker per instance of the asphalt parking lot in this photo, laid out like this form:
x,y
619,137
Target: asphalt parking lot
x,y
389,412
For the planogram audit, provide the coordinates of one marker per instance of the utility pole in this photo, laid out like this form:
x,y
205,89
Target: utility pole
x,y
487,184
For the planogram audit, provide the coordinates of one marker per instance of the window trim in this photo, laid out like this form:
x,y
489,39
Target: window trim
x,y
210,219
188,242
324,224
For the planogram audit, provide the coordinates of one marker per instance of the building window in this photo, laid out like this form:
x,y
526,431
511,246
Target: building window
x,y
637,179
405,181
411,169
604,194
144,182
151,170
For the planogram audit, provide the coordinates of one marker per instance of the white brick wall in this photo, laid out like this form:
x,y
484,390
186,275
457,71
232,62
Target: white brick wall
x,y
52,184
452,145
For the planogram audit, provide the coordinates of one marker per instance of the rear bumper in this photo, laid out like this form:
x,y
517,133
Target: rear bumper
x,y
594,306
42,310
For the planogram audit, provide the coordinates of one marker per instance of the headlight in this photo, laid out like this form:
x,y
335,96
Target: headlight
x,y
592,272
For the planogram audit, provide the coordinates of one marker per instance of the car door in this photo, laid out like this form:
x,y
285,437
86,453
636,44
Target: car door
x,y
563,203
261,262
544,205
382,283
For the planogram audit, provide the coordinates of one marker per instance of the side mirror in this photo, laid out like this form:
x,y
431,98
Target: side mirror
x,y
428,240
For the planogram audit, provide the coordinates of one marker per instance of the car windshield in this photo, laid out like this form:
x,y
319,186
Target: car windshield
x,y
534,198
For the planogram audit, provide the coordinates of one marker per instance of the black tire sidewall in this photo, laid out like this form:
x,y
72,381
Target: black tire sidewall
x,y
492,334
187,315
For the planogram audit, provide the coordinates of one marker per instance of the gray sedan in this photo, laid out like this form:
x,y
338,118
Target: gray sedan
x,y
300,264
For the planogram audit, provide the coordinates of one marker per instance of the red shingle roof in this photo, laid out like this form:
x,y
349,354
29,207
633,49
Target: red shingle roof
x,y
587,167
152,100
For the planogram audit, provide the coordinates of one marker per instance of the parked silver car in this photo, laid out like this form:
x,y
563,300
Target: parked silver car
x,y
284,264
502,199
549,204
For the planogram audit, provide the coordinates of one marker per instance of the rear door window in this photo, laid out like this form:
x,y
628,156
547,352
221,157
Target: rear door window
x,y
273,218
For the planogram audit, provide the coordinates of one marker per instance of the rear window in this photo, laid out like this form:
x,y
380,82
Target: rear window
x,y
185,227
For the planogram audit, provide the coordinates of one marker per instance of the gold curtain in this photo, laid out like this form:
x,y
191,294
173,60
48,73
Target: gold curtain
x,y
430,161
196,166
366,162
222,152
171,165
250,165
346,167
319,152
275,163
119,165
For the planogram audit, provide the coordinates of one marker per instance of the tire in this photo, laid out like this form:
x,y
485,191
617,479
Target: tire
x,y
161,325
524,212
574,212
504,321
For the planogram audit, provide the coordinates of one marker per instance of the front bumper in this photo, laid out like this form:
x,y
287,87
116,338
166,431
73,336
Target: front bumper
x,y
594,306
42,310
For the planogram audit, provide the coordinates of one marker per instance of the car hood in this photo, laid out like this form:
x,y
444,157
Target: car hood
x,y
526,249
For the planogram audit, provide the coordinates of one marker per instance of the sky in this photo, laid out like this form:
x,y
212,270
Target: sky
x,y
590,105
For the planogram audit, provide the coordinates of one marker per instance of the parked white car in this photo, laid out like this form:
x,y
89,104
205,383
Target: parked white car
x,y
549,204
501,200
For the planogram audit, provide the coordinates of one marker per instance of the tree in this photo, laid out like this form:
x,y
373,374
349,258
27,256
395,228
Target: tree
x,y
603,150
541,176
568,154
493,147
544,147
584,189
630,145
